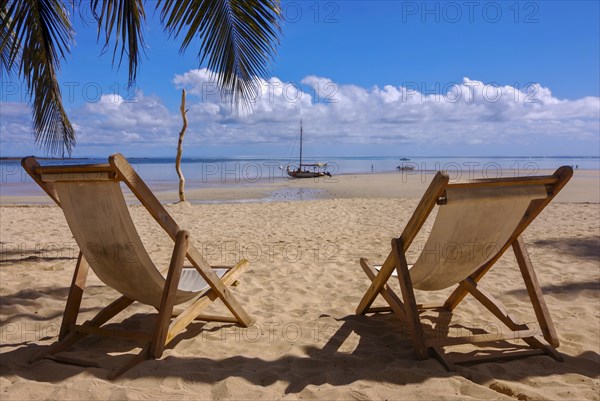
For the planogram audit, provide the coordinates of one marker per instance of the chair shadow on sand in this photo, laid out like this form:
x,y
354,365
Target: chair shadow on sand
x,y
383,354
582,248
28,297
10,256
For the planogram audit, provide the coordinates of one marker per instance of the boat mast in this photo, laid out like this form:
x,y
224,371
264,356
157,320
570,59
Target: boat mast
x,y
300,166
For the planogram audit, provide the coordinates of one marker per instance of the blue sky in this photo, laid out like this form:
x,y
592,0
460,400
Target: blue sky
x,y
368,78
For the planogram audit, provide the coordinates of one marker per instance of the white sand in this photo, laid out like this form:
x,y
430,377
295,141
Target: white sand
x,y
302,288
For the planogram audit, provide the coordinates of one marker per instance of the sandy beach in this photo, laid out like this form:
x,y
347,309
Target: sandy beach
x,y
302,289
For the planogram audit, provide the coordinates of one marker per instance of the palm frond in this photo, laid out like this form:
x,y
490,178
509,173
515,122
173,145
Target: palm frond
x,y
126,19
238,38
35,36
7,43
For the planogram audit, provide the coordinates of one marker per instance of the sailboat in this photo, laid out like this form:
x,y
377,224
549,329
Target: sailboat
x,y
304,170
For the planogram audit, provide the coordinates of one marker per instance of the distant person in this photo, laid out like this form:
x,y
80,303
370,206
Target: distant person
x,y
576,166
371,168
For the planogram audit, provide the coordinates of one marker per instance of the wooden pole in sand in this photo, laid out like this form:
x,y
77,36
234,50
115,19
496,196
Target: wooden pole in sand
x,y
180,148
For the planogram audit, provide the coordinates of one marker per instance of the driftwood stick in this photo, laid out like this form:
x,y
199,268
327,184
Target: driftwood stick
x,y
180,148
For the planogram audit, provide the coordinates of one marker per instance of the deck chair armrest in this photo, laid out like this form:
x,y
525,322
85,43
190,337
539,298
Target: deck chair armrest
x,y
30,165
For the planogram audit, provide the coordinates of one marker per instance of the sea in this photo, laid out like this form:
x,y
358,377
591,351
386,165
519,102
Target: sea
x,y
205,172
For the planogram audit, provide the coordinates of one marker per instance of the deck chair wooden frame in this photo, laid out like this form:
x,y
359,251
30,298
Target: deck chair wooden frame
x,y
409,311
169,323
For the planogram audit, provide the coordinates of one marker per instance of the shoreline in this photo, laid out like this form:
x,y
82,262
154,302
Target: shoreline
x,y
584,187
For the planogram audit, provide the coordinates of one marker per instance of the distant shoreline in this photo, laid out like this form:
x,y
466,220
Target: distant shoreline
x,y
238,180
583,188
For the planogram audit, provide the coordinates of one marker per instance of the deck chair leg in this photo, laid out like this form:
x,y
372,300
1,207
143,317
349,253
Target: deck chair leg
x,y
136,359
410,304
493,305
390,296
168,297
192,312
224,293
498,310
377,284
535,292
73,337
541,344
75,294
110,311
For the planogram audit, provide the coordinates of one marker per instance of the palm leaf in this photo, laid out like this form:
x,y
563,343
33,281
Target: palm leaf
x,y
34,36
238,38
125,18
7,44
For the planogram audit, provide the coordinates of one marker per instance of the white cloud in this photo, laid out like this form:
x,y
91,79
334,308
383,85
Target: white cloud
x,y
15,126
464,113
144,120
106,104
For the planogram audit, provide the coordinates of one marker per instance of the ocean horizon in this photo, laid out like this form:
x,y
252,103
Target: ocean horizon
x,y
210,172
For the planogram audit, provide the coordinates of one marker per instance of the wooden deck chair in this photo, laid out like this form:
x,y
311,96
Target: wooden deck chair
x,y
94,206
475,224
